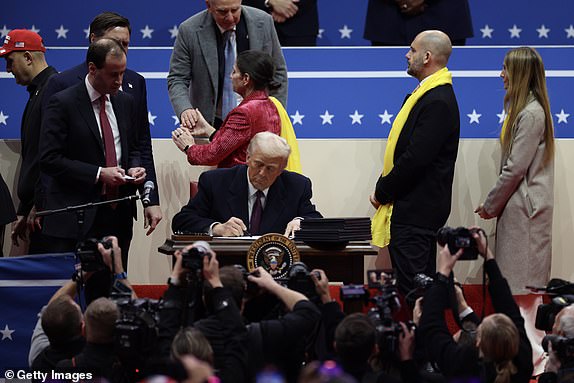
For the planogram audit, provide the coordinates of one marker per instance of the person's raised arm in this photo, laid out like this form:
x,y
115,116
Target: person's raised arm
x,y
265,281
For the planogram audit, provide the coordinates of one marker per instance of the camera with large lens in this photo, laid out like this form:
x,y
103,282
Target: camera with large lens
x,y
299,279
251,288
563,347
562,293
89,255
546,313
459,238
192,258
388,330
136,330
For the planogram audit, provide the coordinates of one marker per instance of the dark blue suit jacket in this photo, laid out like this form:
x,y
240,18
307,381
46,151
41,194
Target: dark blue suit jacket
x,y
133,84
386,24
222,194
71,151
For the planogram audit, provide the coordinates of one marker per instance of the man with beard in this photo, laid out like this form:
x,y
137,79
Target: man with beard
x,y
413,194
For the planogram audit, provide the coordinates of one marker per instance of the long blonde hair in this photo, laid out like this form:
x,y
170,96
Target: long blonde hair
x,y
525,72
499,341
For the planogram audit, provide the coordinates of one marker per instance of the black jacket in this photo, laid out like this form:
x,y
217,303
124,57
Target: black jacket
x,y
458,361
222,194
29,191
420,183
134,85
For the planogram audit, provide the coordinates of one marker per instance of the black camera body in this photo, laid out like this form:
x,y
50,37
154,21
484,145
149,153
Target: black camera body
x,y
423,282
353,293
546,313
388,332
299,279
89,255
192,259
251,288
136,330
387,329
562,346
459,238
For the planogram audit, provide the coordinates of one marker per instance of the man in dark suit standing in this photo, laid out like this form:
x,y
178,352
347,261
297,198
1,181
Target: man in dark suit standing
x,y
85,144
413,195
112,25
24,54
257,198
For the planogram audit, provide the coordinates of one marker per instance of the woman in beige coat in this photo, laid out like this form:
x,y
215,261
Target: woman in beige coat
x,y
522,198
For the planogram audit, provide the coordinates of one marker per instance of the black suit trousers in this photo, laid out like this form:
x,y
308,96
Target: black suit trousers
x,y
413,251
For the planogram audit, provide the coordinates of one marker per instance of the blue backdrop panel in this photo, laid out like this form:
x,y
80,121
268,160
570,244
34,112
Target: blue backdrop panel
x,y
26,284
344,82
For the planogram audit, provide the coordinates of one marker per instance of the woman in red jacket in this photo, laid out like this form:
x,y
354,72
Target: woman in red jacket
x,y
252,77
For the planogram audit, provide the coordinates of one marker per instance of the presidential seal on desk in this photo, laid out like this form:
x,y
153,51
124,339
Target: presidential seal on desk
x,y
275,253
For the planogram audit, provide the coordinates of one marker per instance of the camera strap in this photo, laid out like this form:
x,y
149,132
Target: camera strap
x,y
452,300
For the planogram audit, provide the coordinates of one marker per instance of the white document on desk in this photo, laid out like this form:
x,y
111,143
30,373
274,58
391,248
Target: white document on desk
x,y
245,238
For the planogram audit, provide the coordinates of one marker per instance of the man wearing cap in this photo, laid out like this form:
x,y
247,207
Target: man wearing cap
x,y
115,26
24,53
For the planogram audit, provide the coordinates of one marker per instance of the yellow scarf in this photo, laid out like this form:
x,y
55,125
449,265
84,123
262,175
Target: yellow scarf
x,y
287,132
381,224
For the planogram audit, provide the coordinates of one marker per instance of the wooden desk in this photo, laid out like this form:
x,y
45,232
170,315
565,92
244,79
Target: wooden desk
x,y
345,265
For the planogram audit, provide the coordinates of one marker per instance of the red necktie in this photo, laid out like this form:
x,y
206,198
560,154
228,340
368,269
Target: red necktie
x,y
256,213
111,192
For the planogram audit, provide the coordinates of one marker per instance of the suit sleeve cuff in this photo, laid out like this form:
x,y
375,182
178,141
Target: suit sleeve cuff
x,y
98,174
210,230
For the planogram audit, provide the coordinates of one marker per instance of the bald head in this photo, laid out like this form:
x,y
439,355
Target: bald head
x,y
429,52
438,43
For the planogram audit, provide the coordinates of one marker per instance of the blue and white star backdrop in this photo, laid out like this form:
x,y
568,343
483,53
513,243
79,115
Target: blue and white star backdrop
x,y
334,92
342,92
508,22
26,284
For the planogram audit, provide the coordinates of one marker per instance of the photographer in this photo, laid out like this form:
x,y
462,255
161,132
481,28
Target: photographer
x,y
560,365
281,342
58,332
223,326
352,340
503,353
331,316
112,257
98,355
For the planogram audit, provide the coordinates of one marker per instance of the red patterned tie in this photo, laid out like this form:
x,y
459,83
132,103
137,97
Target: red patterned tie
x,y
256,213
111,192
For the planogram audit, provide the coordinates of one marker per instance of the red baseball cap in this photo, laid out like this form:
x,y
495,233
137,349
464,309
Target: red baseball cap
x,y
22,40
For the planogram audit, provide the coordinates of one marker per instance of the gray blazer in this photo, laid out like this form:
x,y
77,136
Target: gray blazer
x,y
522,200
193,70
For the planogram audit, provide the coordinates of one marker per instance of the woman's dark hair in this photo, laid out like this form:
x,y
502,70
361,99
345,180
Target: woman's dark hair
x,y
260,68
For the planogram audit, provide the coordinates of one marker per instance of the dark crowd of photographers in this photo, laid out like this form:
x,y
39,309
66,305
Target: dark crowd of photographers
x,y
227,325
